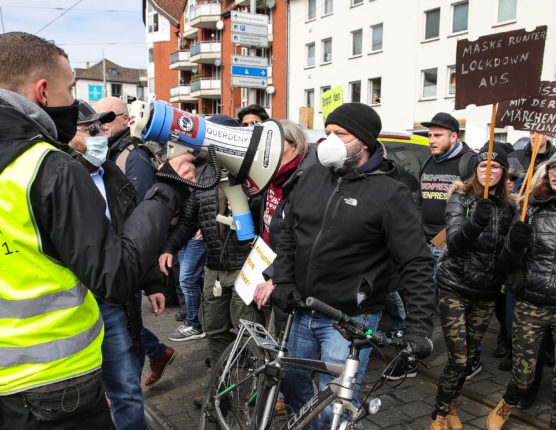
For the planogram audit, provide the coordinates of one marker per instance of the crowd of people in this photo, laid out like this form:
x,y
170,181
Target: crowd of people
x,y
89,227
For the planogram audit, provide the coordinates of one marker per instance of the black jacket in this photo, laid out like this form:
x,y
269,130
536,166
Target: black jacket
x,y
224,250
69,210
469,265
523,156
340,235
538,265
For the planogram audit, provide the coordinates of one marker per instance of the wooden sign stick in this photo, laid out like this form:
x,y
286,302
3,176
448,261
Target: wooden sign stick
x,y
536,145
490,146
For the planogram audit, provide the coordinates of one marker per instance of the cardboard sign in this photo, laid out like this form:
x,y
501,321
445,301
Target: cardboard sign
x,y
330,100
499,67
251,274
536,113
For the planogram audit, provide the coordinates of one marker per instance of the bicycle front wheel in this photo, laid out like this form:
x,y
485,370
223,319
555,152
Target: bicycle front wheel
x,y
232,390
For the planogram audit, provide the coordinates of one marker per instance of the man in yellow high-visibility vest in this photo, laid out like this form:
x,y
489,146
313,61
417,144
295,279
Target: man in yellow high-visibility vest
x,y
50,326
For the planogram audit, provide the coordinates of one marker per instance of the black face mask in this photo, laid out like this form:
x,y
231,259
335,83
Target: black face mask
x,y
65,120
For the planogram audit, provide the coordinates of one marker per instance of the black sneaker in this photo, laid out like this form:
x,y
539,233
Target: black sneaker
x,y
476,368
401,371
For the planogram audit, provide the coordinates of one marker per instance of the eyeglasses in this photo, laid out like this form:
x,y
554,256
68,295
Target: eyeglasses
x,y
93,129
250,123
552,169
495,168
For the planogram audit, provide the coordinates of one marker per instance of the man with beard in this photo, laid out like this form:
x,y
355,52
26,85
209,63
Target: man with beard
x,y
349,219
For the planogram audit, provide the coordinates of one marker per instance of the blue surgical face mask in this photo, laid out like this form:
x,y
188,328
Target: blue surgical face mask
x,y
97,149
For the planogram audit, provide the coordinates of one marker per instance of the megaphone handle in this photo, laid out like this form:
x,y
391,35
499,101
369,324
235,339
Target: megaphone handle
x,y
249,157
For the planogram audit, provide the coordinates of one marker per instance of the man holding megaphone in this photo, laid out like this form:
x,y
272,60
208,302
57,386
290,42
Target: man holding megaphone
x,y
221,306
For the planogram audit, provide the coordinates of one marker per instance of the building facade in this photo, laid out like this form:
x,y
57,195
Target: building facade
x,y
399,56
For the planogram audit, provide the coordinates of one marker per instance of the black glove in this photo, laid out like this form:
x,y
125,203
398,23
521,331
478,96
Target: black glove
x,y
519,236
483,212
421,345
286,297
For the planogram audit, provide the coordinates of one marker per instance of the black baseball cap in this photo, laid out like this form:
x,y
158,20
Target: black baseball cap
x,y
443,120
88,114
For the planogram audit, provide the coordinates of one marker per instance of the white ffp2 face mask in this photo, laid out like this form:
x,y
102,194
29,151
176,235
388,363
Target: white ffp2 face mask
x,y
332,152
97,149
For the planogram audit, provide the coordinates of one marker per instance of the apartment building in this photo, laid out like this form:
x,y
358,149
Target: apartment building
x,y
399,56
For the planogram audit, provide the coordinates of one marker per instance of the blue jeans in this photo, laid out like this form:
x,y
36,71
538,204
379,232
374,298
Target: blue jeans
x,y
152,347
436,252
192,259
121,369
396,310
313,336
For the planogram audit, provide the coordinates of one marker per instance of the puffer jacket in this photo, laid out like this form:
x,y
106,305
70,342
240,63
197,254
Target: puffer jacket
x,y
539,269
469,266
224,250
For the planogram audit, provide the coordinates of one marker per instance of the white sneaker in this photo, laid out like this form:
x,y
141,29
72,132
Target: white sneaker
x,y
184,332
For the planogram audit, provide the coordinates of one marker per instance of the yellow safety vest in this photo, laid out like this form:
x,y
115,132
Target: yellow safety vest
x,y
50,324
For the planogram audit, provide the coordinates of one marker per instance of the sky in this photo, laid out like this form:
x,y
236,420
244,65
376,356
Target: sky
x,y
86,29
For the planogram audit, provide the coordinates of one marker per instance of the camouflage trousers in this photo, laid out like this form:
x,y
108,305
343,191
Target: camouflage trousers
x,y
530,322
464,323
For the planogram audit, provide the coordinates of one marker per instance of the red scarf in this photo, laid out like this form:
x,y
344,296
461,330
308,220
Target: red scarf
x,y
274,193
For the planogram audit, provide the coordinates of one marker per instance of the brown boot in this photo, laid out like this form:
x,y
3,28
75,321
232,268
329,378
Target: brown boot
x,y
499,416
453,419
158,366
440,423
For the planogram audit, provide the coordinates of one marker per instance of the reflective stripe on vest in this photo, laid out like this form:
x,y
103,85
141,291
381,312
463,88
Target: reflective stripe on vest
x,y
50,324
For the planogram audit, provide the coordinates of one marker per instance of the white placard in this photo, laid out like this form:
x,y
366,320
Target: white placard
x,y
251,274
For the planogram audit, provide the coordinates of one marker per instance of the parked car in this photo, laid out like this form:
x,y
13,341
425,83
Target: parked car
x,y
409,151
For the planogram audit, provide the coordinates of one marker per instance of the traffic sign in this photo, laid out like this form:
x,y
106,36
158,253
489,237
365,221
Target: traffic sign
x,y
249,18
250,40
259,30
243,60
249,71
249,82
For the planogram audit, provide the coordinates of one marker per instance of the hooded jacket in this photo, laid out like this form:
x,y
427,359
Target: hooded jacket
x,y
69,210
469,265
340,234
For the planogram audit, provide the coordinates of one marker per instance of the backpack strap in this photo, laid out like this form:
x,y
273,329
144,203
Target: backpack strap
x,y
463,166
121,160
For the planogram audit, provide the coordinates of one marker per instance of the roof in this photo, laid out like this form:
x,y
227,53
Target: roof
x,y
172,10
122,74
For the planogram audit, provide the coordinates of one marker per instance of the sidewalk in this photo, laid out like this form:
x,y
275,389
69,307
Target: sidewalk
x,y
169,403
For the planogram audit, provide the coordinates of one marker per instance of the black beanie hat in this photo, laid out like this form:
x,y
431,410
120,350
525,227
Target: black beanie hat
x,y
360,120
499,154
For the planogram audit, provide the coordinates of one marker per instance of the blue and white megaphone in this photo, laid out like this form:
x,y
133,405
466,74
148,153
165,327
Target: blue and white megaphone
x,y
251,155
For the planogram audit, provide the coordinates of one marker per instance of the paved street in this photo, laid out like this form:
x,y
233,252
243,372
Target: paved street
x,y
407,406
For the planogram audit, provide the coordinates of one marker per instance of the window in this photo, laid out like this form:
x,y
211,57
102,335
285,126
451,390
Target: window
x,y
451,80
375,92
461,16
310,54
116,90
355,91
151,55
327,50
506,10
432,24
429,83
324,89
310,98
311,9
153,22
376,34
140,92
356,42
356,2
328,7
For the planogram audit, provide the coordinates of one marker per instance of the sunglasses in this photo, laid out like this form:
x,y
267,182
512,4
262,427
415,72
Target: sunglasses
x,y
93,129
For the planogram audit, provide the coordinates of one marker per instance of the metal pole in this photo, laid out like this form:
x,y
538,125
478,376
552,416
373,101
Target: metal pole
x,y
252,92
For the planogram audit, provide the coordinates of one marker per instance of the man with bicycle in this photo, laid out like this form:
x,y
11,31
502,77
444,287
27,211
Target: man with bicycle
x,y
348,221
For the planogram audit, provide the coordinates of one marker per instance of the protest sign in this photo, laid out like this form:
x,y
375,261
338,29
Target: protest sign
x,y
251,274
497,67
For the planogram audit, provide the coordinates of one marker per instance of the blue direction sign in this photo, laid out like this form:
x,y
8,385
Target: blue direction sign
x,y
259,72
95,92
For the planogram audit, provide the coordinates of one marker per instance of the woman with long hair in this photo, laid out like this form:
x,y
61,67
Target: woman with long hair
x,y
534,284
468,275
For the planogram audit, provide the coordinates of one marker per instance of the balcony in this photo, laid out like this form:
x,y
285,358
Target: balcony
x,y
205,52
206,88
205,15
261,4
181,94
180,60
